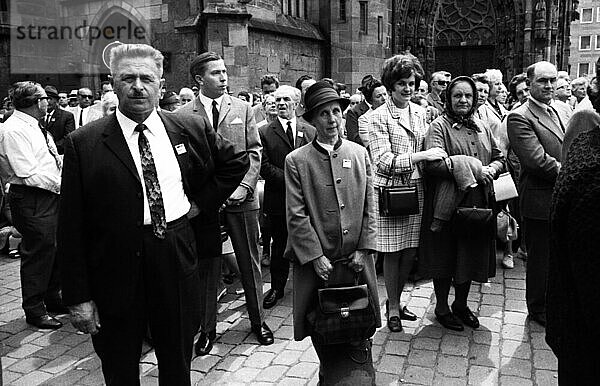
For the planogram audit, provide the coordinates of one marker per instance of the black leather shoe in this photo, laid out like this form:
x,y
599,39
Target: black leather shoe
x,y
405,314
466,316
449,321
204,343
394,324
58,309
263,333
539,319
271,298
45,322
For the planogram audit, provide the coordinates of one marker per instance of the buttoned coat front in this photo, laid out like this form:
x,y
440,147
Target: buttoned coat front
x,y
329,209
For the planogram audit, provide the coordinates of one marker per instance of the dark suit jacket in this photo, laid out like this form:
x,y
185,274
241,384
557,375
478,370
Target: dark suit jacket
x,y
237,124
537,142
60,125
100,223
276,146
352,121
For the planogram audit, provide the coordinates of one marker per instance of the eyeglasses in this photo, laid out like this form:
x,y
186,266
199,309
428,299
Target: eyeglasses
x,y
442,82
86,96
43,98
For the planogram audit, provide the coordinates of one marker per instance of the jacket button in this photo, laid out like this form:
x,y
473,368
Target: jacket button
x,y
342,206
139,195
345,231
138,253
339,180
334,155
475,154
139,223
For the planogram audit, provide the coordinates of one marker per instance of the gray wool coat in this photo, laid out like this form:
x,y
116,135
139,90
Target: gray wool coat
x,y
330,212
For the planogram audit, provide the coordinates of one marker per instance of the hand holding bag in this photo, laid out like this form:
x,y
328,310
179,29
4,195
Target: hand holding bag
x,y
343,314
398,200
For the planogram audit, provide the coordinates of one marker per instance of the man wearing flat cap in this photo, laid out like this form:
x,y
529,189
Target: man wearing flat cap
x,y
331,228
355,112
57,121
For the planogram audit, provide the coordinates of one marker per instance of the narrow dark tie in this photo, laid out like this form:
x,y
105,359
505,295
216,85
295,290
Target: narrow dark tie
x,y
290,134
81,118
153,192
215,114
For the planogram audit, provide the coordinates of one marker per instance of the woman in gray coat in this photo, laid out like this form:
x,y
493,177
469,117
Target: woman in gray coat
x,y
331,230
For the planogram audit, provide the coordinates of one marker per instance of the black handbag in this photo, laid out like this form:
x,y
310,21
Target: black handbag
x,y
474,216
343,314
398,200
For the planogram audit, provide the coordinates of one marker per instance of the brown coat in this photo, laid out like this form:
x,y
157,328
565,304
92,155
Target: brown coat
x,y
329,208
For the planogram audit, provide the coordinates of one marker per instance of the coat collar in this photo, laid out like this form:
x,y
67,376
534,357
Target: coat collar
x,y
320,148
198,107
396,114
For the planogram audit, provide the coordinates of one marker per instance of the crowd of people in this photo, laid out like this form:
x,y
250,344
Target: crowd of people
x,y
124,205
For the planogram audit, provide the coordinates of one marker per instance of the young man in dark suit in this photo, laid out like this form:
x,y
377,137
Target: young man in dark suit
x,y
234,120
130,182
57,121
278,139
355,112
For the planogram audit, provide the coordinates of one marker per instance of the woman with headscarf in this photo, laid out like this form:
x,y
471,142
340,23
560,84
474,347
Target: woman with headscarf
x,y
396,134
573,309
455,248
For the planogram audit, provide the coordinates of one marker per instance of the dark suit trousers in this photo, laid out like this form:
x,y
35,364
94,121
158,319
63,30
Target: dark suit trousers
x,y
34,213
167,301
280,266
537,233
210,275
242,227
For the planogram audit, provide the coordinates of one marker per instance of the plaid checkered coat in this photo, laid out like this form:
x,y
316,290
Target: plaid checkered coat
x,y
390,137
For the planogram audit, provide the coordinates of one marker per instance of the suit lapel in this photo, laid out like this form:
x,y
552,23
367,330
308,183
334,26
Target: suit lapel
x,y
115,141
225,107
545,120
199,108
281,133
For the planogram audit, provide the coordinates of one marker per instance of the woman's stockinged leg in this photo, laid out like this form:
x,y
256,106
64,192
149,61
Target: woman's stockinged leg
x,y
441,288
405,263
391,265
461,294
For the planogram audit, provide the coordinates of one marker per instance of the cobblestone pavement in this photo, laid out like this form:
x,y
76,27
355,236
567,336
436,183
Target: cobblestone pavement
x,y
507,349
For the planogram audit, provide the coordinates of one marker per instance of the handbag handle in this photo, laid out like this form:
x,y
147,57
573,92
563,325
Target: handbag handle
x,y
344,260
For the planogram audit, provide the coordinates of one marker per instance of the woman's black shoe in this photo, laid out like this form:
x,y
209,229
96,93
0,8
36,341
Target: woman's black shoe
x,y
449,321
405,314
394,324
467,317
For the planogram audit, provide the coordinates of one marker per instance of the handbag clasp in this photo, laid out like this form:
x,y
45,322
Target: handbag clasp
x,y
344,311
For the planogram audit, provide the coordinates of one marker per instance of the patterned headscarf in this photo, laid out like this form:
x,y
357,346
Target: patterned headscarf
x,y
466,119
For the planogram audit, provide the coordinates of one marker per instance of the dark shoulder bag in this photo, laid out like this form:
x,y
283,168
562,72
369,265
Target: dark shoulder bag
x,y
398,200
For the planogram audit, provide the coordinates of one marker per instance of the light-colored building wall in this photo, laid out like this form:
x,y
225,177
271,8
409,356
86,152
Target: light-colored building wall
x,y
582,61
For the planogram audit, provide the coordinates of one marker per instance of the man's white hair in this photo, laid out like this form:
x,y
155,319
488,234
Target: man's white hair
x,y
135,51
494,75
288,90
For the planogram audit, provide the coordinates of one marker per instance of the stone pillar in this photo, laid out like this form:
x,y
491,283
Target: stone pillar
x,y
226,33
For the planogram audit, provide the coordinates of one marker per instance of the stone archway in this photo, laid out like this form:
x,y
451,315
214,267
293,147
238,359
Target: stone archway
x,y
417,24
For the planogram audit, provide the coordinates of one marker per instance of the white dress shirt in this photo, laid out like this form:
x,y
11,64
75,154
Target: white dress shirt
x,y
83,113
175,201
207,103
25,154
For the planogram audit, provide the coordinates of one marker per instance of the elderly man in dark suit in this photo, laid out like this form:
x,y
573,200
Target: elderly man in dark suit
x,y
355,112
233,119
125,243
279,138
57,121
536,133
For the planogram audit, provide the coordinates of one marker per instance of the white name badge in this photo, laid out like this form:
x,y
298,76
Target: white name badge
x,y
347,163
300,134
180,149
